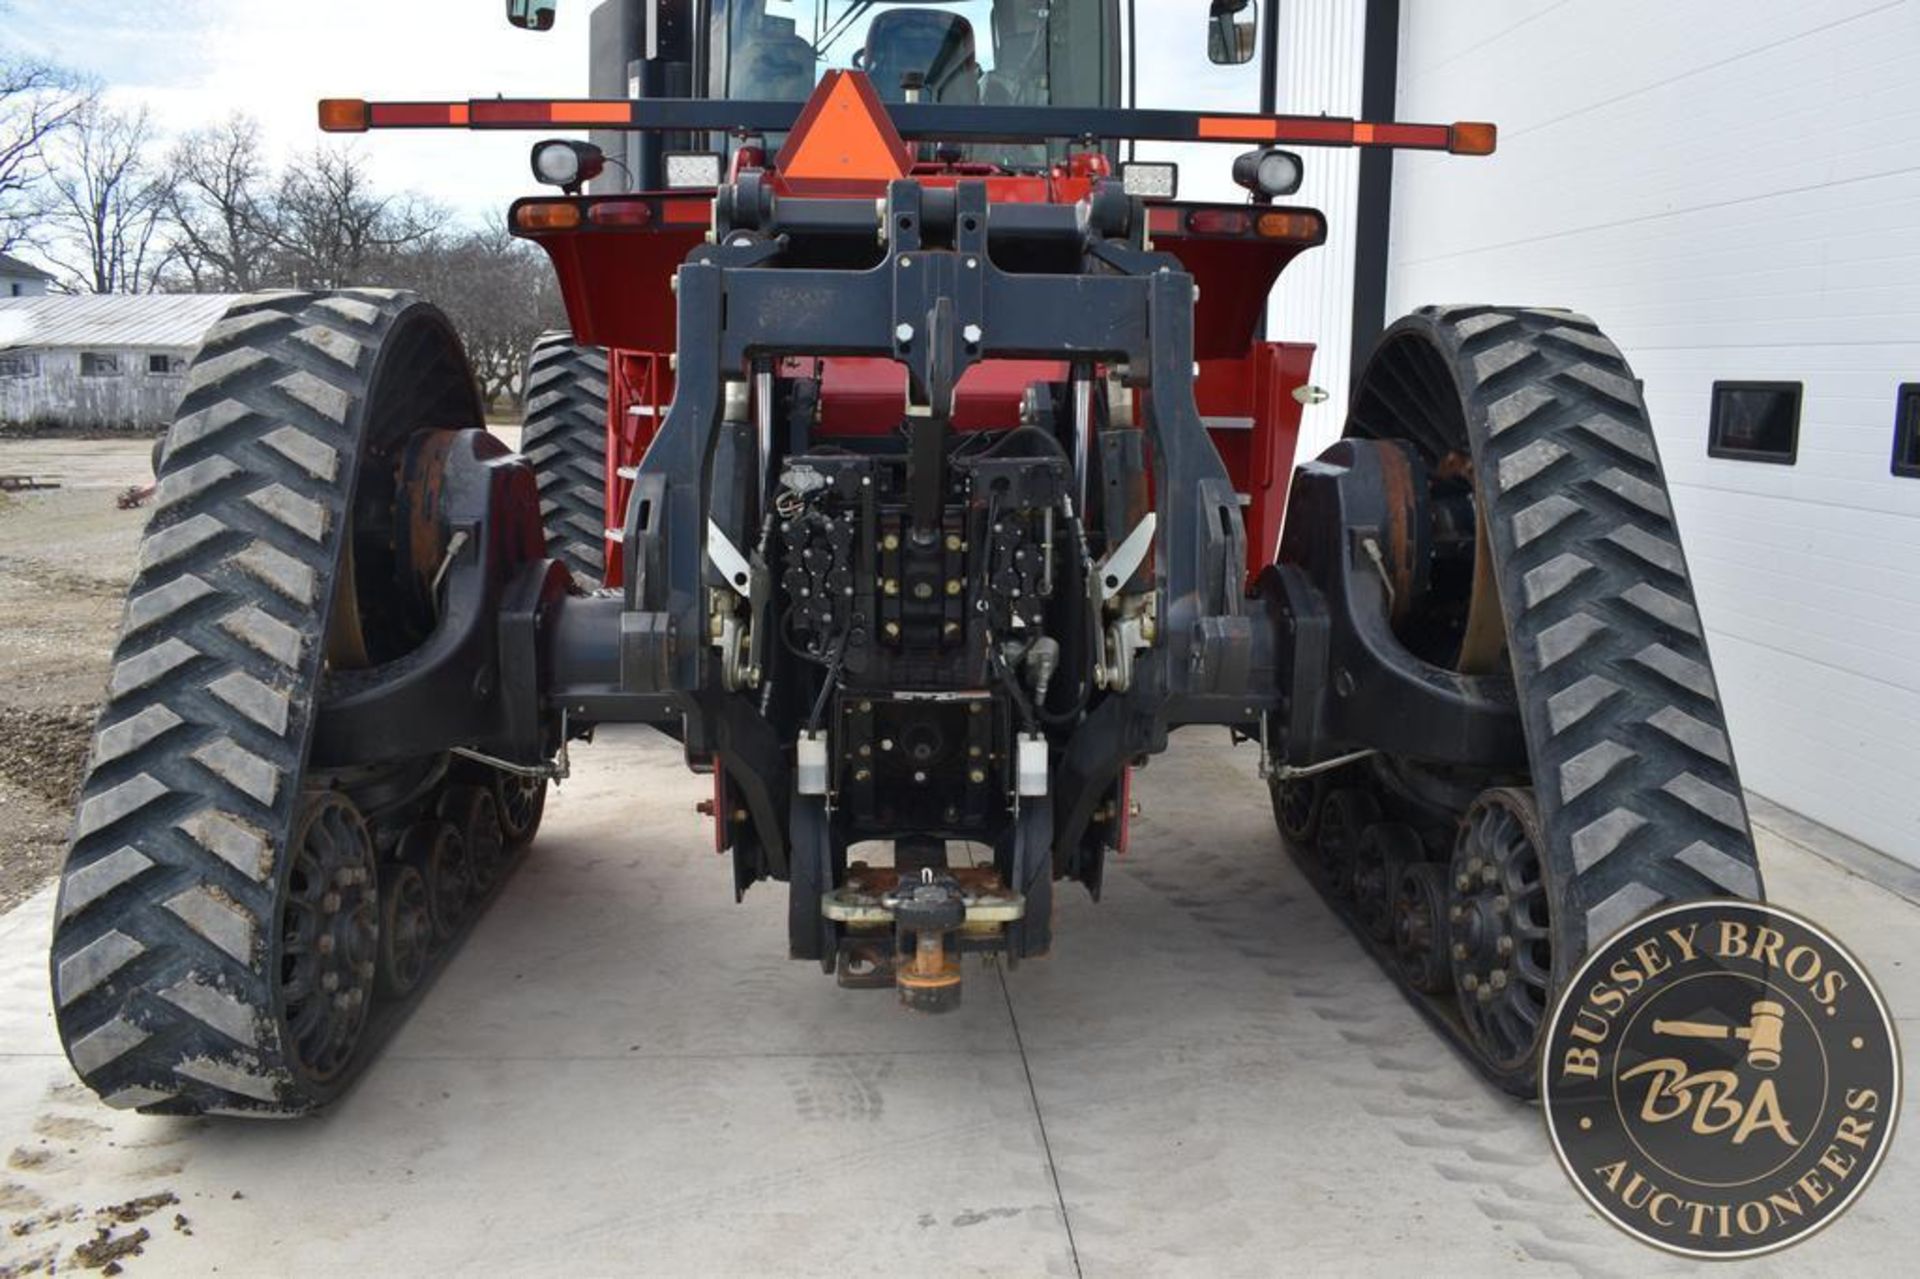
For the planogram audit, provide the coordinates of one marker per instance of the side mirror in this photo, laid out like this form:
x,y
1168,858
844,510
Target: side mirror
x,y
532,15
1230,32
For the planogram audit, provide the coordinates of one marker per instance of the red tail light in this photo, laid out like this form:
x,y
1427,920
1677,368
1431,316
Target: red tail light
x,y
628,213
1219,222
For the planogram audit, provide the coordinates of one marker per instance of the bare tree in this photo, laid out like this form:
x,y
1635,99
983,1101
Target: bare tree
x,y
109,199
37,101
332,226
221,210
499,292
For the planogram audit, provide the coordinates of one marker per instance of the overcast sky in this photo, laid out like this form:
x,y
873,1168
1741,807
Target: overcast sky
x,y
193,62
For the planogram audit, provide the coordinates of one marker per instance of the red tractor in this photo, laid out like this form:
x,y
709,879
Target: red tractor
x,y
919,467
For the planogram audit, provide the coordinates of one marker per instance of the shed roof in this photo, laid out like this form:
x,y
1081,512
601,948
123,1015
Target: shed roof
x,y
110,320
10,265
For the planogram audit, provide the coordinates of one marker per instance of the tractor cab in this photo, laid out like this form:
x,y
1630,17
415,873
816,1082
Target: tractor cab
x,y
1007,53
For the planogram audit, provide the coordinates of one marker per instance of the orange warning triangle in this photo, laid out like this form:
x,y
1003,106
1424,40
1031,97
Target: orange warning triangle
x,y
843,136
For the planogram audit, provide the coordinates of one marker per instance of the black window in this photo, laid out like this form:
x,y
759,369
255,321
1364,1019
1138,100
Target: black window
x,y
1755,421
99,364
1906,431
165,364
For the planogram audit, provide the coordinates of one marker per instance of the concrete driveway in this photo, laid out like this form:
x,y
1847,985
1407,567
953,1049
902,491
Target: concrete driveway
x,y
620,1074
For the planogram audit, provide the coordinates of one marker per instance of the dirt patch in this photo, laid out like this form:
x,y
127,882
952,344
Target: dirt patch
x,y
66,557
45,750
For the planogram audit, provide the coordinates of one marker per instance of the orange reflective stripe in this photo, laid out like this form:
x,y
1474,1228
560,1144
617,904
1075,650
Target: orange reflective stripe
x,y
592,113
1231,127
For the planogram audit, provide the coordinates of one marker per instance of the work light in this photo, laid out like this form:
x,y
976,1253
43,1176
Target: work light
x,y
1268,172
563,163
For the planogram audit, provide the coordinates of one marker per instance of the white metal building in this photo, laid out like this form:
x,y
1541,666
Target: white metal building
x,y
99,362
21,279
1730,188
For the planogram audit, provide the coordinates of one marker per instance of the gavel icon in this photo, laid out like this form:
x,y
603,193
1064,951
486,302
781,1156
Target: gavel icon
x,y
1762,1033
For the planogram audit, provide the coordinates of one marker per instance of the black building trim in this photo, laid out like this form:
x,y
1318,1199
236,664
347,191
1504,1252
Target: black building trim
x,y
1379,92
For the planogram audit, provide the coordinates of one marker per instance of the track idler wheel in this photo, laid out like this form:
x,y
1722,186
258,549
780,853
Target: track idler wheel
x,y
435,849
1500,931
521,801
1344,820
1386,849
406,930
473,812
1420,927
1296,808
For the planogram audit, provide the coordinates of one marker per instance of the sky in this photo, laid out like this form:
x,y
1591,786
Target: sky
x,y
193,62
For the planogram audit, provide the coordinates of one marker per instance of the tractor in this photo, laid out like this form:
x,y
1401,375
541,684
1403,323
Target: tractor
x,y
919,464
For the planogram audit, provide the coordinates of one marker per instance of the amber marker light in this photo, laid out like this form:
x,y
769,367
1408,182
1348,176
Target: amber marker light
x,y
1288,226
1471,137
547,215
343,115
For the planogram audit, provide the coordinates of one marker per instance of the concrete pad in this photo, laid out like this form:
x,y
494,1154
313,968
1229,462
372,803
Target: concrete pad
x,y
621,1074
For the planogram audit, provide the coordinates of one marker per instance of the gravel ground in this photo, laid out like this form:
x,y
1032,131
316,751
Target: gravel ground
x,y
66,555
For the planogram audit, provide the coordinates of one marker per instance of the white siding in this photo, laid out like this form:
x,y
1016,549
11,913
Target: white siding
x,y
1733,190
1322,49
1322,44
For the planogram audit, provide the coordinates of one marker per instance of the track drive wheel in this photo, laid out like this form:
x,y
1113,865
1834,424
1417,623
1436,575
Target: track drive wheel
x,y
1420,927
1552,554
565,438
1296,807
217,934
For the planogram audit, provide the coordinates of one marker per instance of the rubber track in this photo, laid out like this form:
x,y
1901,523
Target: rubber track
x,y
162,952
566,440
1632,770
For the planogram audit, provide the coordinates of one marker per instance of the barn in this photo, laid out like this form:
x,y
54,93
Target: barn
x,y
1729,190
99,363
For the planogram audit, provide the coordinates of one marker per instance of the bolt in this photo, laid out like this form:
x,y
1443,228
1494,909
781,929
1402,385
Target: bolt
x,y
329,981
974,752
977,775
1133,808
904,333
953,541
1498,979
972,334
365,969
330,904
703,807
1460,951
972,263
1490,875
891,630
1501,904
1484,994
1456,913
950,630
1462,883
886,743
1469,982
1504,944
923,590
953,586
974,708
891,542
1474,865
920,776
866,751
739,814
324,943
891,586
865,706
862,774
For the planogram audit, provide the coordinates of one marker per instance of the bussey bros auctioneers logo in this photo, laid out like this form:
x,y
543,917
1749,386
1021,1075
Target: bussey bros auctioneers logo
x,y
1721,1079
